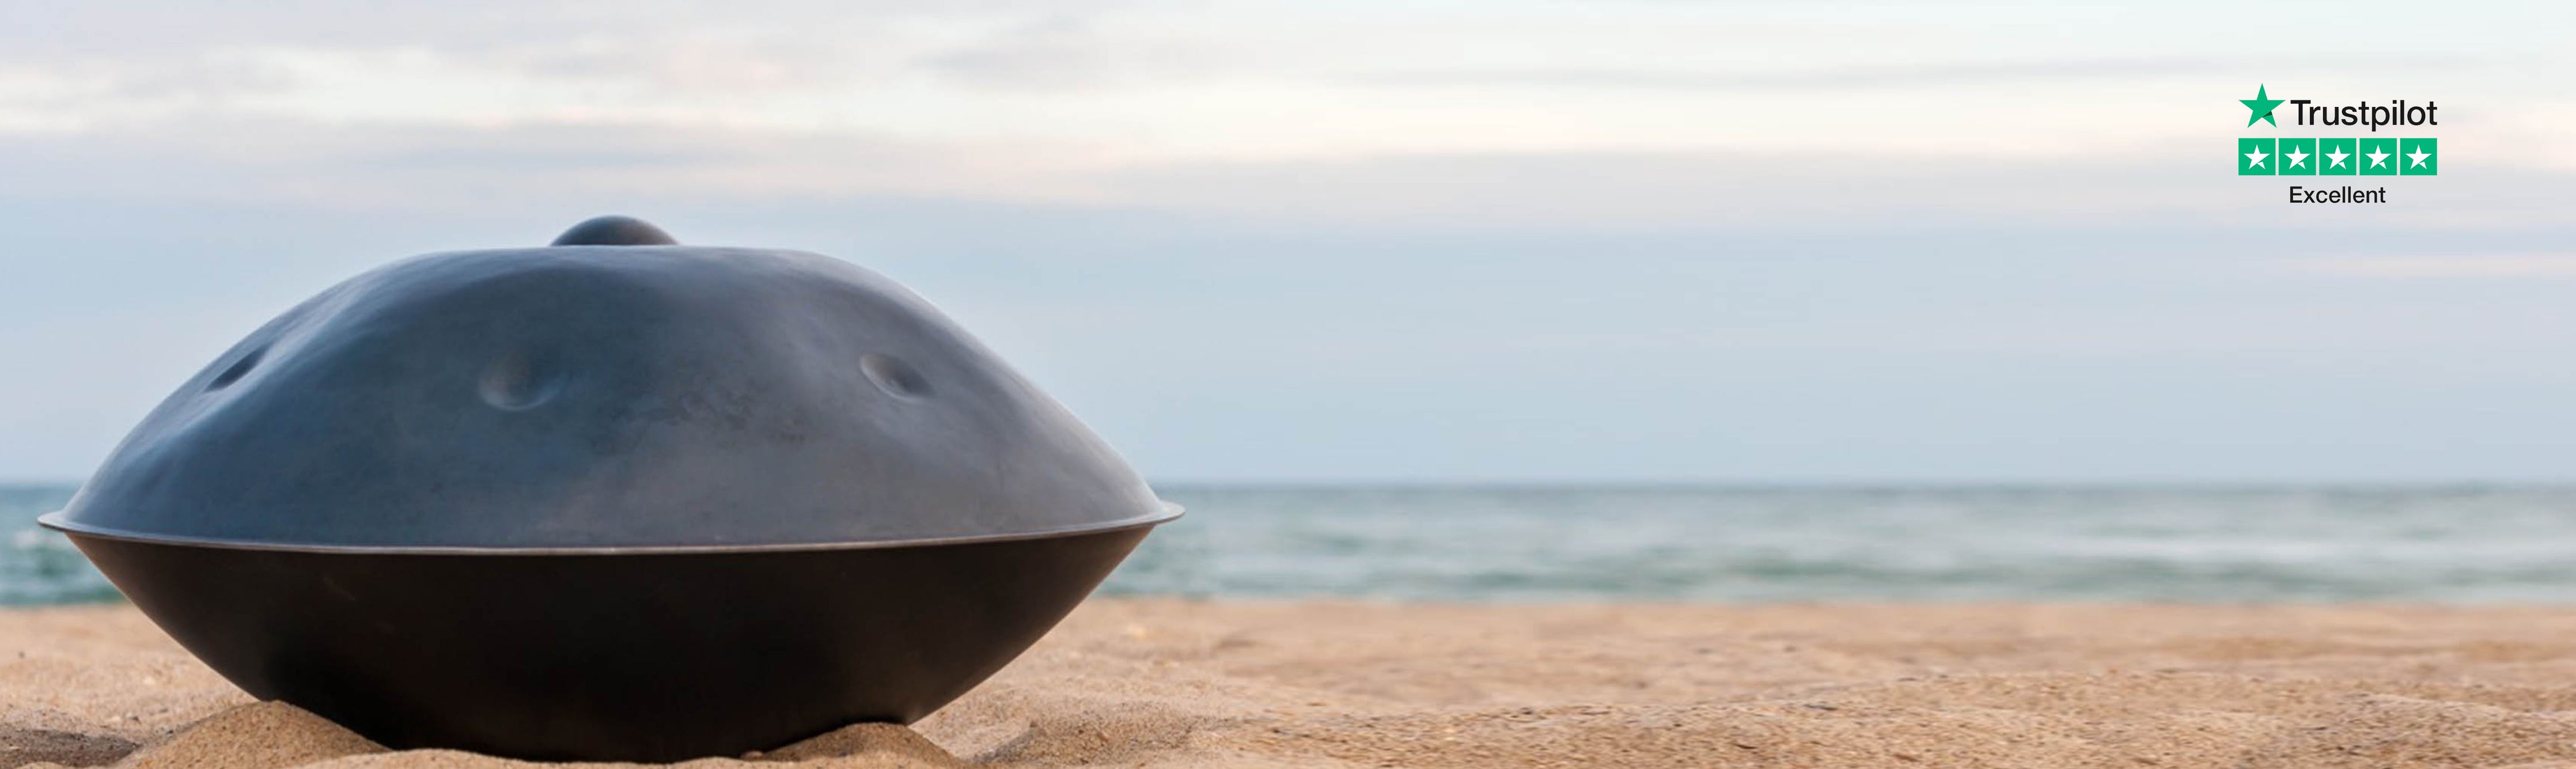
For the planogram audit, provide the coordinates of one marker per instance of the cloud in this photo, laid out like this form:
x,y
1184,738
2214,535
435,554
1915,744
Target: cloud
x,y
457,167
1908,75
1895,75
780,63
2161,184
1067,53
1184,85
121,28
2552,266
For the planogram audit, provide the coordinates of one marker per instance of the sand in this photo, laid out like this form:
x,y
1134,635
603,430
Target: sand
x,y
1175,683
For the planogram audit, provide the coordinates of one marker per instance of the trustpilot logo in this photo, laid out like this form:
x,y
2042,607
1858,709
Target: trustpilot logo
x,y
2338,155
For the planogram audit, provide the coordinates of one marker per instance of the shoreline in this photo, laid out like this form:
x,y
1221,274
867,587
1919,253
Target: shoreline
x,y
1171,682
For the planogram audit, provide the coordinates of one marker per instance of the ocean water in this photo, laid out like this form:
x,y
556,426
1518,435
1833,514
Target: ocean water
x,y
2220,545
39,566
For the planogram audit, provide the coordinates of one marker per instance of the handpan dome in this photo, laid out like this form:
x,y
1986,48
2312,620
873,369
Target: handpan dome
x,y
618,396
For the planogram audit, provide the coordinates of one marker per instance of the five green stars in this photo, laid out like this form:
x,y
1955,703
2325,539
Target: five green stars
x,y
2262,105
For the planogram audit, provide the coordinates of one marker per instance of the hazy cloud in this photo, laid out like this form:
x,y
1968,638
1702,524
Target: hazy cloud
x,y
2494,266
1906,75
1066,52
449,167
1522,238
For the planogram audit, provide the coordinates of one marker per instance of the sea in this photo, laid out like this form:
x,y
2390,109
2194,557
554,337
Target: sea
x,y
1751,544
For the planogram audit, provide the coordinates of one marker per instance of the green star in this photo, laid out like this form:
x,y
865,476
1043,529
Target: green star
x,y
2262,105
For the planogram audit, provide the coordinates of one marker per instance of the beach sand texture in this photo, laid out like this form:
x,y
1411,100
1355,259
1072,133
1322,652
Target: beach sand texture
x,y
1178,683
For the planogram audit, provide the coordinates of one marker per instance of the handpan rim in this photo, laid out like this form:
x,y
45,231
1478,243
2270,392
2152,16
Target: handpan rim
x,y
58,521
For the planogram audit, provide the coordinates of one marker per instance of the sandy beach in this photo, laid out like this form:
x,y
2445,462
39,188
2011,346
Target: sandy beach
x,y
1177,683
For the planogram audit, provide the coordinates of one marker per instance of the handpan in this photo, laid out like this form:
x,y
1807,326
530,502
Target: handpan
x,y
610,499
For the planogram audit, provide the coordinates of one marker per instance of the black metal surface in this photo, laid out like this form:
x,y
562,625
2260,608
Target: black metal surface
x,y
614,231
639,657
590,396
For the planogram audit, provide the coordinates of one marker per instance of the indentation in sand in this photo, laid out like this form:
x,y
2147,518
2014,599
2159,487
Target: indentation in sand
x,y
19,745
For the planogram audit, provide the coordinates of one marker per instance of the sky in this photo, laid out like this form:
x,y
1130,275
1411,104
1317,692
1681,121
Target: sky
x,y
1539,242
